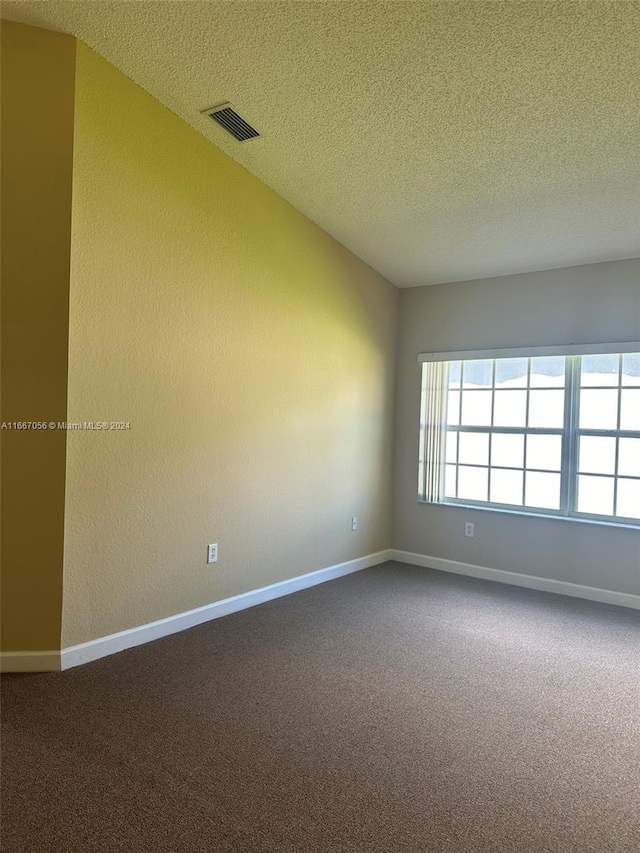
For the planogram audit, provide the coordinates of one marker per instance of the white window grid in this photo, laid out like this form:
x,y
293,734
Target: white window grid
x,y
570,435
577,433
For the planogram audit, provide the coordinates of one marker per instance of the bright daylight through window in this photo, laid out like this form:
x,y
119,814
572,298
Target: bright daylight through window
x,y
551,434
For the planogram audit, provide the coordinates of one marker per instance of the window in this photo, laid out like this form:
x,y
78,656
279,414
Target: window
x,y
546,433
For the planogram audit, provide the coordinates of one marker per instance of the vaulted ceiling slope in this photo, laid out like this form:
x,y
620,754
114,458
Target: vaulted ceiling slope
x,y
438,141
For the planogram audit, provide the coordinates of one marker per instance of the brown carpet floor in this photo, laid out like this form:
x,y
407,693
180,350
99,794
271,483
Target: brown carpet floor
x,y
398,709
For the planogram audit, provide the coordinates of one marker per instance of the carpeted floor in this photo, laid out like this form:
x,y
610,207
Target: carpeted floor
x,y
398,709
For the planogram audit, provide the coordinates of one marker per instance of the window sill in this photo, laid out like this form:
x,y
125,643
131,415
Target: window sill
x,y
534,515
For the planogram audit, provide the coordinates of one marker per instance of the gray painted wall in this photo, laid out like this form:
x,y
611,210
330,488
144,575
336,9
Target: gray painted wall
x,y
586,304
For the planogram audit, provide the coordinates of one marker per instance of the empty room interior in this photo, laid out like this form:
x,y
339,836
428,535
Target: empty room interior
x,y
320,426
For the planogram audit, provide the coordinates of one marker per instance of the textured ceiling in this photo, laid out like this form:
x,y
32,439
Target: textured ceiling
x,y
439,141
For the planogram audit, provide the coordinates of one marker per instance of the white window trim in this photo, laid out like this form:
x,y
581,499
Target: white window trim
x,y
570,430
533,352
509,509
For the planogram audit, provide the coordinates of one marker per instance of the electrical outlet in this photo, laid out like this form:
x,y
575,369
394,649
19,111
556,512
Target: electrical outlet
x,y
469,529
354,522
212,553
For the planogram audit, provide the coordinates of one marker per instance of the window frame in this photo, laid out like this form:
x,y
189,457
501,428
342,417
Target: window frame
x,y
570,432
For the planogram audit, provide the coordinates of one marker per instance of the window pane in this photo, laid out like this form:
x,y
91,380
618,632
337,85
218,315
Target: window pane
x,y
544,451
548,372
451,446
478,374
598,409
631,369
519,395
472,483
506,487
474,448
628,498
595,495
450,481
476,408
542,490
511,373
629,457
454,374
510,408
507,450
630,409
453,408
546,409
599,370
597,455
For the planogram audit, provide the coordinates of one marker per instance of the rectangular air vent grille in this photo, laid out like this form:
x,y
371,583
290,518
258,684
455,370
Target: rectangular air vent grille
x,y
228,118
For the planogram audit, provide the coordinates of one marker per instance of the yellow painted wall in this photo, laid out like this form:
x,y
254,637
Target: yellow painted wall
x,y
38,69
252,355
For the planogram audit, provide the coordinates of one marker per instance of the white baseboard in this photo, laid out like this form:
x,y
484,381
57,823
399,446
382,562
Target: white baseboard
x,y
30,661
592,593
109,645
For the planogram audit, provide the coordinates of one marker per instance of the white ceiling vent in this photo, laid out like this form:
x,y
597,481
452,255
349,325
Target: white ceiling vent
x,y
228,118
